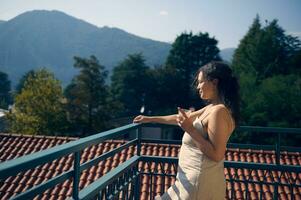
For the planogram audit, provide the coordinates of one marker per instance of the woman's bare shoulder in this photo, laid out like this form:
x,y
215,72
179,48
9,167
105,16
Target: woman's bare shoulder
x,y
219,108
222,113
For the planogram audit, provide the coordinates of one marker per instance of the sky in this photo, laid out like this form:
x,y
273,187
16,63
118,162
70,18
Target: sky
x,y
163,20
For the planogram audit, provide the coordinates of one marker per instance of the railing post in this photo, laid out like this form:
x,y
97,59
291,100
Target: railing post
x,y
76,175
275,196
137,180
138,136
278,149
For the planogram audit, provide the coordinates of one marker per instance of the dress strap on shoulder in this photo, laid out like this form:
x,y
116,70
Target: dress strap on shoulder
x,y
203,117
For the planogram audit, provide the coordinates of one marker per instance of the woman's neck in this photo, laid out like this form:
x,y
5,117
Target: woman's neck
x,y
216,101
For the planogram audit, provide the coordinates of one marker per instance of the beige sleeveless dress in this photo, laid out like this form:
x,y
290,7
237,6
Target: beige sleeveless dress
x,y
198,177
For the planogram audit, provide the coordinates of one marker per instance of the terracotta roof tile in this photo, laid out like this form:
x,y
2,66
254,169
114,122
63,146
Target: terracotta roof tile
x,y
14,145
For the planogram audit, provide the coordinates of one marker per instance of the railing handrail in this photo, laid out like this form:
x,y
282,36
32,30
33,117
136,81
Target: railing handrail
x,y
263,166
229,145
233,164
13,167
262,129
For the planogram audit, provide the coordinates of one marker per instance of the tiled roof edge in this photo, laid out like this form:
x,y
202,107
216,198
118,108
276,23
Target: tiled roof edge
x,y
39,136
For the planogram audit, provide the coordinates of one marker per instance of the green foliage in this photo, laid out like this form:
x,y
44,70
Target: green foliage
x,y
162,86
87,97
246,55
295,62
273,103
278,101
248,87
267,62
5,97
189,52
265,51
21,83
165,88
38,108
130,85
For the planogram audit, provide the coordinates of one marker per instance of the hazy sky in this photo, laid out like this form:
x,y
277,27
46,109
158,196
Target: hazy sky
x,y
163,20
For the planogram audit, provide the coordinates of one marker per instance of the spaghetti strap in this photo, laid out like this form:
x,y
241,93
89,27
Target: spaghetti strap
x,y
198,117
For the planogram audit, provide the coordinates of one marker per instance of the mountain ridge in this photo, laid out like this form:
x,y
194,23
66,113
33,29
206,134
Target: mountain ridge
x,y
227,54
52,38
43,38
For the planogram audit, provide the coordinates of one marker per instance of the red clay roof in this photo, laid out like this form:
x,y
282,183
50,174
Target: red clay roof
x,y
13,146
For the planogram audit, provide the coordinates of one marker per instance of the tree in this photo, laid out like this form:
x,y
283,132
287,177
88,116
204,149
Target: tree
x,y
275,103
164,88
248,54
276,96
295,63
130,85
39,107
21,83
5,97
87,96
265,51
188,53
265,61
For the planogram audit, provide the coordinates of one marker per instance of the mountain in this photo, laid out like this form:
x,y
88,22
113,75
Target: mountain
x,y
52,38
1,22
227,54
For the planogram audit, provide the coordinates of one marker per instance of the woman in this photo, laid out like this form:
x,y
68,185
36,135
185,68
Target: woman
x,y
201,158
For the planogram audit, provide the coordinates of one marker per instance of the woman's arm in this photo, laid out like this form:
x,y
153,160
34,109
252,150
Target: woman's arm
x,y
168,119
219,130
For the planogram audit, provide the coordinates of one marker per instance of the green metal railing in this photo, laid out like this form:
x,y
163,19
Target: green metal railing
x,y
13,167
124,181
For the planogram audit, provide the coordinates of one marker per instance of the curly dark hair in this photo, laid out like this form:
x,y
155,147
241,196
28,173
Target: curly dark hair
x,y
228,87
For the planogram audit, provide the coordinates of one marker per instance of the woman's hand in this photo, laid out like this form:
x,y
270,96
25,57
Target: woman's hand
x,y
141,119
184,120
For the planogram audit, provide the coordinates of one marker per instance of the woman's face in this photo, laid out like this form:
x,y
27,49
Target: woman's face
x,y
207,89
